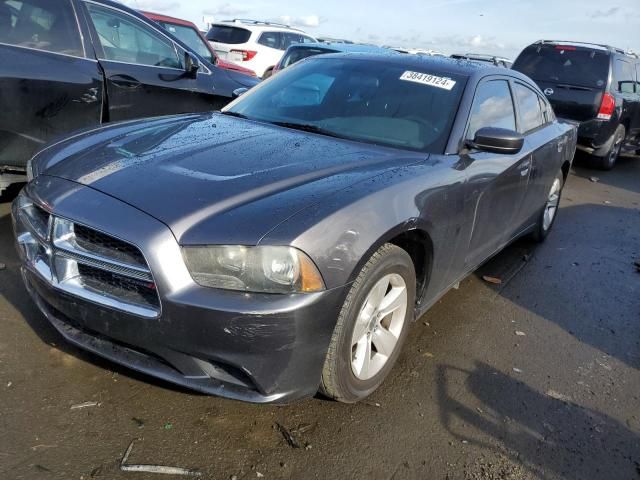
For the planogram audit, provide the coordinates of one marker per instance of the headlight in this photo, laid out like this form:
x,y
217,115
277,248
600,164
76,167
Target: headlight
x,y
30,173
253,269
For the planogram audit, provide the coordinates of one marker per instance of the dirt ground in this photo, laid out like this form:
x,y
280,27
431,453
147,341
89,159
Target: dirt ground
x,y
538,377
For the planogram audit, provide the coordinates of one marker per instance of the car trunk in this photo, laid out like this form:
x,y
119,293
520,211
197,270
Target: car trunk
x,y
573,78
225,38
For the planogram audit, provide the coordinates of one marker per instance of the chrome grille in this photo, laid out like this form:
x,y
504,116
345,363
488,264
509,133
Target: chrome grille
x,y
101,244
85,262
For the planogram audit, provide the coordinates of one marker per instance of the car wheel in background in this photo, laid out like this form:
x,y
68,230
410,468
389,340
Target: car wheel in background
x,y
550,210
609,160
268,73
372,326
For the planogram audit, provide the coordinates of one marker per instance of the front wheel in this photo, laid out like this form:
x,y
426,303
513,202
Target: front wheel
x,y
550,211
372,326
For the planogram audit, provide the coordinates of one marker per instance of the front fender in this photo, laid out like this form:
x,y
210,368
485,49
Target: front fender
x,y
342,232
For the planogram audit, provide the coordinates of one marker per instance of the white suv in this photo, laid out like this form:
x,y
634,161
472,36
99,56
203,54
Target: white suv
x,y
252,44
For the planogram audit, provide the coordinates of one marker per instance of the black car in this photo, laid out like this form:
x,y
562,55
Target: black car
x,y
286,244
596,85
71,64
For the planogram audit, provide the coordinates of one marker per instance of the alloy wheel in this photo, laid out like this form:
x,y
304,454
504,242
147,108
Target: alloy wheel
x,y
551,208
378,326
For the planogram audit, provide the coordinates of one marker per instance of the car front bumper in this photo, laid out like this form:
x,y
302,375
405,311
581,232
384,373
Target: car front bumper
x,y
253,347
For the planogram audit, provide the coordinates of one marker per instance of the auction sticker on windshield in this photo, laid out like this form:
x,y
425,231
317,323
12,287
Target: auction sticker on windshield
x,y
427,79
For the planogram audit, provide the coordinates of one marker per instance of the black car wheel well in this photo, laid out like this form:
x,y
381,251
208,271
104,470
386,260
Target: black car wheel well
x,y
565,170
418,245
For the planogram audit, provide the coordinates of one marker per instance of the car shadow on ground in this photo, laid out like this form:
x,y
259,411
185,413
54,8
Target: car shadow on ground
x,y
624,174
590,285
548,436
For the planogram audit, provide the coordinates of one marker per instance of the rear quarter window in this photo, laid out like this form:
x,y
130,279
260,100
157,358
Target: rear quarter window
x,y
228,34
623,76
565,65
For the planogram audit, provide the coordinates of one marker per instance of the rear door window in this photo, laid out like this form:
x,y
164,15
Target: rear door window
x,y
49,25
492,107
531,114
623,76
229,35
565,65
271,40
126,39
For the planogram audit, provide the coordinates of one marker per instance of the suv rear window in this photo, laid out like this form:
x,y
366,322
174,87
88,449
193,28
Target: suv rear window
x,y
565,65
229,35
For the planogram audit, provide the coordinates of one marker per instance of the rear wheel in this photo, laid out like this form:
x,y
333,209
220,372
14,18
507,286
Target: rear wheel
x,y
371,327
609,160
268,73
550,211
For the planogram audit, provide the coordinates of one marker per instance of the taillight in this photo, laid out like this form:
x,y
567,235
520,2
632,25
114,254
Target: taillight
x,y
246,54
607,107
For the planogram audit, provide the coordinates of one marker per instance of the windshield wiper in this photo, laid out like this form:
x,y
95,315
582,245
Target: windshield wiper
x,y
307,127
234,114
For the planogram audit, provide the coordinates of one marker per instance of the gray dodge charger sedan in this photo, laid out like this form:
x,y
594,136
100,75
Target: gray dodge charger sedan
x,y
284,246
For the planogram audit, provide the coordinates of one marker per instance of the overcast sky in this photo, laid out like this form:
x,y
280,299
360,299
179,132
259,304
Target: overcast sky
x,y
501,27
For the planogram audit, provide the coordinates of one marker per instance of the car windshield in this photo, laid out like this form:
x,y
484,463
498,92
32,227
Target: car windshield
x,y
371,101
191,38
565,64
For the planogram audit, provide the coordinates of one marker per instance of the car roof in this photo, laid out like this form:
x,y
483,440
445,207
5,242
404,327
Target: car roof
x,y
253,25
342,47
165,18
461,67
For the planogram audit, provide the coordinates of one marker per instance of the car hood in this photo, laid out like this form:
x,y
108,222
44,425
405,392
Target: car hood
x,y
213,178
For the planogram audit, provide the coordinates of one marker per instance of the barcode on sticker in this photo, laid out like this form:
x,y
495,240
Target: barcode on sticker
x,y
427,79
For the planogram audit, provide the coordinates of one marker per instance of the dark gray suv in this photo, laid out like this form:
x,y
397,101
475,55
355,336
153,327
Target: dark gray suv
x,y
596,85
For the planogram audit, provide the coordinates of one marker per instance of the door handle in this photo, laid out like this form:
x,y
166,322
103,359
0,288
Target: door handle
x,y
124,81
525,168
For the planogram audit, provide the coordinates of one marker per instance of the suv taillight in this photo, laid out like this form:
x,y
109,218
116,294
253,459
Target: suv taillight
x,y
607,107
246,54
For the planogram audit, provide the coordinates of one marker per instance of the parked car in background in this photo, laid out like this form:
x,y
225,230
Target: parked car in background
x,y
596,85
253,44
286,244
66,65
480,57
298,52
324,39
418,51
191,36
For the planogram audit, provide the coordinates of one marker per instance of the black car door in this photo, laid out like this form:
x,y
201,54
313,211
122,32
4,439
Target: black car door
x,y
48,86
144,68
496,182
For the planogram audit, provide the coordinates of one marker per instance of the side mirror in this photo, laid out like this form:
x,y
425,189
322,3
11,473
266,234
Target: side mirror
x,y
497,140
191,64
239,92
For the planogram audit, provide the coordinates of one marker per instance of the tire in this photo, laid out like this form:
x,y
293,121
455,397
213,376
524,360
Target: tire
x,y
545,224
609,160
267,74
345,376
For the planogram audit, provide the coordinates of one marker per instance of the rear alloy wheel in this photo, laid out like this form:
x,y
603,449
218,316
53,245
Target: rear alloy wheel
x,y
371,327
608,161
550,210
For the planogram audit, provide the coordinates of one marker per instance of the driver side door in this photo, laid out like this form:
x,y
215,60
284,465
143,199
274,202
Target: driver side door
x,y
497,182
144,69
